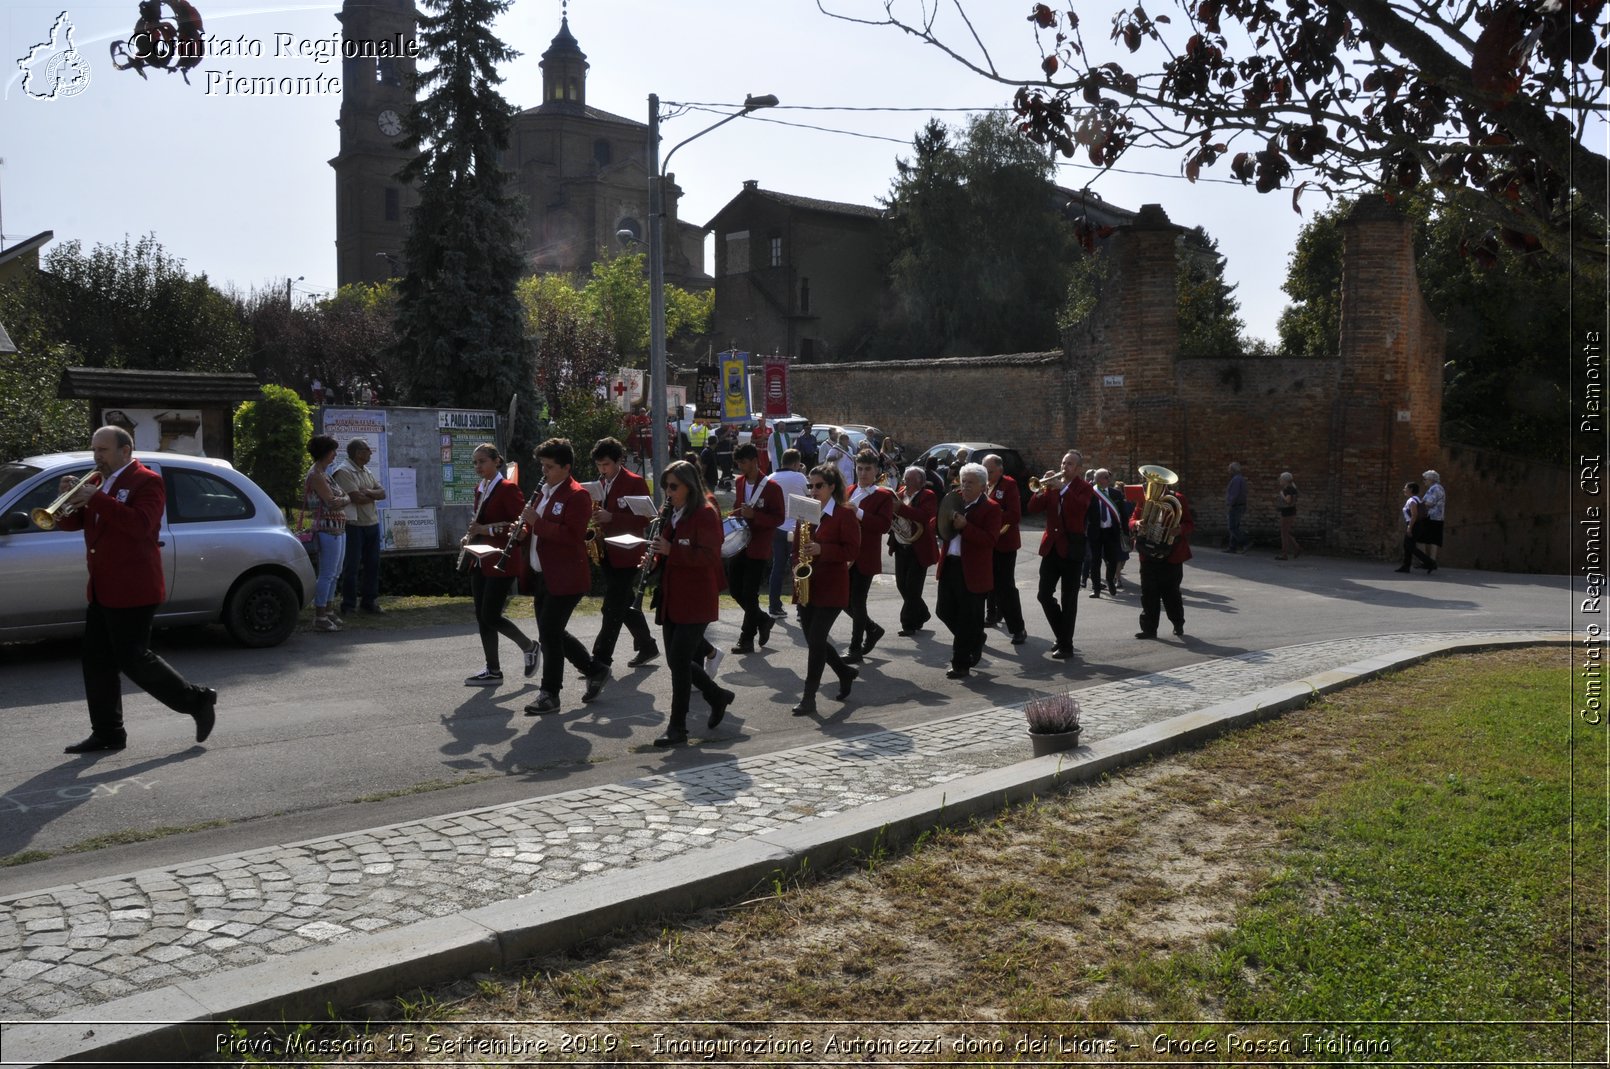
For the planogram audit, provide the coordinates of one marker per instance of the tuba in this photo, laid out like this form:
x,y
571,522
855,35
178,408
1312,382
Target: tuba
x,y
905,530
1159,514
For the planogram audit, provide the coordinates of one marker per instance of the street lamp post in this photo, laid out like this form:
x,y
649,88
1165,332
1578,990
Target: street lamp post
x,y
656,270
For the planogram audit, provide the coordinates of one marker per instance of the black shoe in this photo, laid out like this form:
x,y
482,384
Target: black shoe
x,y
1062,653
532,658
346,610
97,743
906,632
1095,593
991,621
545,703
1019,638
373,610
1404,569
595,683
671,738
765,630
805,708
1432,568
644,655
958,673
872,640
744,647
207,714
972,662
853,657
845,682
1179,630
1145,634
718,711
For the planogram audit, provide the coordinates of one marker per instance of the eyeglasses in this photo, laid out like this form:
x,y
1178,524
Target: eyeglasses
x,y
669,485
818,486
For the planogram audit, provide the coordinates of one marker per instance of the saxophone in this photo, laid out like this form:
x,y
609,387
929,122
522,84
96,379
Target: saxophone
x,y
802,570
595,538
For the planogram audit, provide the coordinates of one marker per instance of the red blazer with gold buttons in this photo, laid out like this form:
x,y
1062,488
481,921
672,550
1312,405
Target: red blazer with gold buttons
x,y
978,546
120,540
768,516
877,513
502,507
840,537
924,511
1064,515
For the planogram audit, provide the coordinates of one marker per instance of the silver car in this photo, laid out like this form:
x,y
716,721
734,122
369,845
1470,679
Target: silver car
x,y
226,551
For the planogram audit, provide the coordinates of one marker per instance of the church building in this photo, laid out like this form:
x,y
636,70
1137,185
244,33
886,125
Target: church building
x,y
582,172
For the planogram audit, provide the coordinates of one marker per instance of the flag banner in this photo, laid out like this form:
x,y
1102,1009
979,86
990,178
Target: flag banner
x,y
774,387
734,387
707,392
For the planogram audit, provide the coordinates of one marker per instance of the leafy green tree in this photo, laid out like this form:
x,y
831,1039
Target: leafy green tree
x,y
271,437
584,418
978,251
617,295
1209,323
461,338
1311,325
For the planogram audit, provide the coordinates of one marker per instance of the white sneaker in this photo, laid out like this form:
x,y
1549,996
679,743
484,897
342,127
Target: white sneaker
x,y
712,662
485,678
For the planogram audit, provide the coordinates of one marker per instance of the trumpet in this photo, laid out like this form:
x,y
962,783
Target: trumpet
x,y
1051,480
802,570
45,518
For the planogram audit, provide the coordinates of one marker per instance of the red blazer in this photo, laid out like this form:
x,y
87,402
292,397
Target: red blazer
x,y
768,517
924,509
840,538
690,583
1182,545
1067,517
978,546
561,531
627,484
504,506
877,513
120,540
1006,495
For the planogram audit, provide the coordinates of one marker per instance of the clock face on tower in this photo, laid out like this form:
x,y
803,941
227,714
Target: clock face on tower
x,y
390,123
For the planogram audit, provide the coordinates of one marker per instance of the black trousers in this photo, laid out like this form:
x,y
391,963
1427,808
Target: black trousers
x,y
746,577
558,645
1160,588
491,594
617,612
961,611
1009,604
1104,550
117,643
910,576
817,623
1059,589
685,651
1412,551
861,624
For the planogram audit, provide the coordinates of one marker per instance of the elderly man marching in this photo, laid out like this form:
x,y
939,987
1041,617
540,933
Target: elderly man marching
x,y
967,570
874,507
915,550
1065,500
1004,492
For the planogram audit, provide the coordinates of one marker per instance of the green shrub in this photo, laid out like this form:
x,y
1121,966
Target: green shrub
x,y
584,418
271,437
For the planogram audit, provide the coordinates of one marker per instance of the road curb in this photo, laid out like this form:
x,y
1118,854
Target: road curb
x,y
187,1019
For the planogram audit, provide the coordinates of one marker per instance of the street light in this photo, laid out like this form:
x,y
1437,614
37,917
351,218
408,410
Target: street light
x,y
656,260
288,281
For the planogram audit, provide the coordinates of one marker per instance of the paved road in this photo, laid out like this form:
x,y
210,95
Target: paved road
x,y
310,727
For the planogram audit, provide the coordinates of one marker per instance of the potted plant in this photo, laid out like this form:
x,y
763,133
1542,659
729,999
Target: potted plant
x,y
1053,723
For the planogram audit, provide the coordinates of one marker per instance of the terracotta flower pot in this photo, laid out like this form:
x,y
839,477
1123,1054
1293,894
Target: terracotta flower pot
x,y
1053,743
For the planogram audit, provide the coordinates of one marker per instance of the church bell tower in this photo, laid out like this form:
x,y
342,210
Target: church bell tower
x,y
372,204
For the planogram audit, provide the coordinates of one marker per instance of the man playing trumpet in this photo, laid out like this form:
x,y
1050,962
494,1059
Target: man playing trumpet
x,y
1064,497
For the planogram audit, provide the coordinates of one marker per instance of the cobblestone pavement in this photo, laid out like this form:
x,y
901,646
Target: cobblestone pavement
x,y
92,942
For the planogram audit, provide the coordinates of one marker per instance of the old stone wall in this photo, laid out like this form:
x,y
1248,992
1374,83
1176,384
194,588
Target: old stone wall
x,y
1505,513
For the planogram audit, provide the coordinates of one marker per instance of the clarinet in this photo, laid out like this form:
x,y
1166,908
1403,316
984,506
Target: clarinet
x,y
516,536
646,571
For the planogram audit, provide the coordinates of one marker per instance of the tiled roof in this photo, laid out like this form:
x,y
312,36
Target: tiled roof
x,y
832,207
162,387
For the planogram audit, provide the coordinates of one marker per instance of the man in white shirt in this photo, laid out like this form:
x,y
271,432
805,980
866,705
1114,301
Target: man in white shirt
x,y
790,478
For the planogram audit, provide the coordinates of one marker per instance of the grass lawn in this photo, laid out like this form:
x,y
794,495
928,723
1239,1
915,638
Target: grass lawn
x,y
1398,856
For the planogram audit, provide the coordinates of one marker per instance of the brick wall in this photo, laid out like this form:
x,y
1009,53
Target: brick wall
x,y
1505,513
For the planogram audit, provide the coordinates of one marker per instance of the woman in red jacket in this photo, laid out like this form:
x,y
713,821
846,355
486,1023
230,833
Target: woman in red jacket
x,y
688,550
496,510
835,542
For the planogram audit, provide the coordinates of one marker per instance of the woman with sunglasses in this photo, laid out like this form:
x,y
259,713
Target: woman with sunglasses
x,y
835,542
689,551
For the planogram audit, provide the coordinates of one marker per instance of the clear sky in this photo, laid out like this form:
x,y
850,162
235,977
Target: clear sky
x,y
240,187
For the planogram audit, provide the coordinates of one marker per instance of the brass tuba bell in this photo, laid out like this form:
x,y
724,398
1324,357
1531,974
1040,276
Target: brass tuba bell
x,y
1160,512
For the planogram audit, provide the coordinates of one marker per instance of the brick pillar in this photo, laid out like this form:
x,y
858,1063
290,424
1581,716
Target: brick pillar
x,y
1389,408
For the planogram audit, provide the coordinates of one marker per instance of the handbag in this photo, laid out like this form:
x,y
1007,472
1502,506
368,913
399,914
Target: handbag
x,y
302,527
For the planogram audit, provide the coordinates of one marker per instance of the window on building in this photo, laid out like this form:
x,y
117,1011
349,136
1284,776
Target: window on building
x,y
804,295
602,152
775,251
393,204
388,71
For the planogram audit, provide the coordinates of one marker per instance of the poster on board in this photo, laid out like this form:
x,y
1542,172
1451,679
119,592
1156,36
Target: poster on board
x,y
461,431
345,424
164,430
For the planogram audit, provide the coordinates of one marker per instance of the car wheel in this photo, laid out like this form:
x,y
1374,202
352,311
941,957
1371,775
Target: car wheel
x,y
262,612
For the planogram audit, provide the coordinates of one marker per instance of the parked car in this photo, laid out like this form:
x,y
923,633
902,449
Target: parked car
x,y
829,432
1012,462
226,552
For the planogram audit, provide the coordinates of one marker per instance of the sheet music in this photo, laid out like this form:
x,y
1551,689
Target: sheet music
x,y
481,549
626,541
640,505
595,490
800,507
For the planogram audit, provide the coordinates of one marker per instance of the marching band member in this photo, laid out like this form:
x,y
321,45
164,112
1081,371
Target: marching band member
x,y
835,542
759,502
558,573
497,505
874,507
1009,606
1104,527
790,479
919,505
620,566
1062,549
1160,577
689,549
967,571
